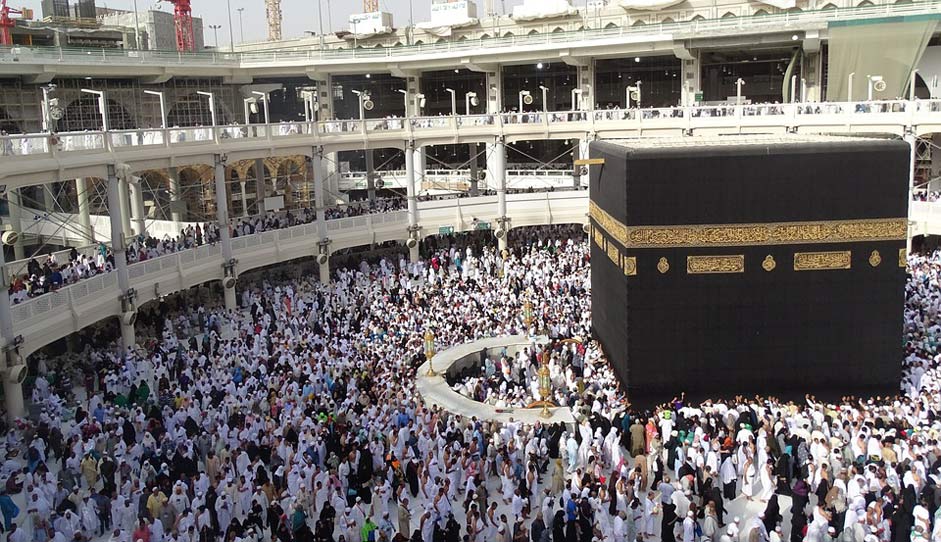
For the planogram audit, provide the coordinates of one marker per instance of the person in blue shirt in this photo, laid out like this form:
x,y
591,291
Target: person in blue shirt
x,y
9,510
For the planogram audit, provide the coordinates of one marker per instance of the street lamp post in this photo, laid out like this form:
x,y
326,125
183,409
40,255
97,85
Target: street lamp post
x,y
430,351
470,100
362,95
137,27
212,105
163,106
264,102
404,94
523,95
231,37
911,85
215,32
875,82
241,28
453,101
102,106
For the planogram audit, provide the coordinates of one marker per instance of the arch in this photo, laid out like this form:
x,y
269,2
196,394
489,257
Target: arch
x,y
462,38
531,32
698,18
508,35
903,1
156,191
419,42
728,15
196,187
864,3
614,25
378,46
441,40
193,109
82,114
761,13
558,29
398,44
667,20
829,7
291,178
485,36
795,10
636,23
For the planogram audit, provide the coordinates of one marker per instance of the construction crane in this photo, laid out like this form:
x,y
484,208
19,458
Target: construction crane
x,y
7,23
183,20
273,13
370,6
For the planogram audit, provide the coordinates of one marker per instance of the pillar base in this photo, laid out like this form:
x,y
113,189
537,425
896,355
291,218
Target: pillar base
x,y
413,255
230,301
325,273
128,336
13,400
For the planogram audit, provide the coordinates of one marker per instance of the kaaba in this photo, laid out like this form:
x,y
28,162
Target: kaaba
x,y
750,265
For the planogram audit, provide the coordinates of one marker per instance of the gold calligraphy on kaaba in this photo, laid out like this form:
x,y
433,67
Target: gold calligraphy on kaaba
x,y
614,254
630,265
782,233
817,261
903,257
700,265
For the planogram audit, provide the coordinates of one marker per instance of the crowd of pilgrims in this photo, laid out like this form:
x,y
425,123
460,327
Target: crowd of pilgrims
x,y
52,274
296,418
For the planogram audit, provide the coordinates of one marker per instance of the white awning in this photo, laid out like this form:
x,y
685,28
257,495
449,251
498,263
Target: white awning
x,y
649,5
445,31
542,9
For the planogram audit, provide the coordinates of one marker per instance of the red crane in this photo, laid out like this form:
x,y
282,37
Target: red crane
x,y
7,23
183,18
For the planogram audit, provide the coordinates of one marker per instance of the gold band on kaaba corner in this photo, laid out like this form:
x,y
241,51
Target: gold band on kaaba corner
x,y
726,235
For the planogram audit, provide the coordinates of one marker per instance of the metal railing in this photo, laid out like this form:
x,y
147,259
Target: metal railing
x,y
311,53
901,112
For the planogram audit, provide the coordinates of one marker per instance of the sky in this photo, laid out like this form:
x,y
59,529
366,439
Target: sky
x,y
298,15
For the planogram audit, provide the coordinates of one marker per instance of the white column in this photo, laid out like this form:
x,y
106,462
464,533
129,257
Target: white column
x,y
913,143
84,211
412,200
323,243
499,172
244,198
9,356
123,206
14,203
331,168
225,240
420,159
691,78
176,195
586,82
119,248
137,207
260,191
583,147
370,175
494,91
